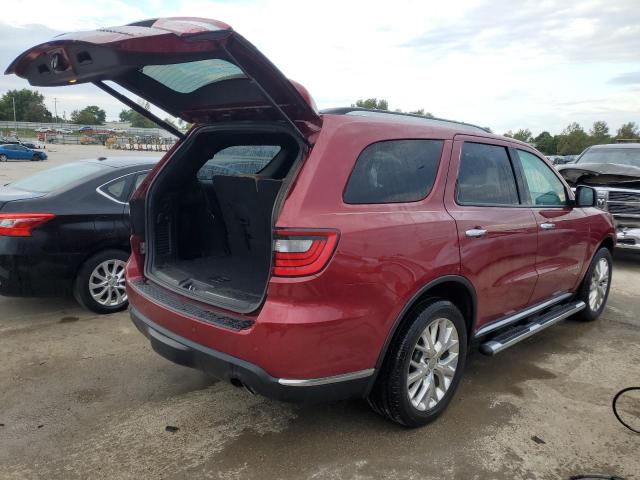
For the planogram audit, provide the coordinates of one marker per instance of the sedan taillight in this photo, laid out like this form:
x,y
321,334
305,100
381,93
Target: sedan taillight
x,y
21,224
300,253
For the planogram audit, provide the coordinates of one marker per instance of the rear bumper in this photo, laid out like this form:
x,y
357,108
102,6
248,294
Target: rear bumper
x,y
226,367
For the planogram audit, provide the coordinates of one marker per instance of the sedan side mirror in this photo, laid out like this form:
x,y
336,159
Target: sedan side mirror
x,y
585,196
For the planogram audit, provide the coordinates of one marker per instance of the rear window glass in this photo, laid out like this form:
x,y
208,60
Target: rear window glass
x,y
58,177
190,76
239,159
394,171
485,176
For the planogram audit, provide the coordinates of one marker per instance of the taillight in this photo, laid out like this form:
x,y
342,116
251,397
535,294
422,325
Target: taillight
x,y
299,253
21,224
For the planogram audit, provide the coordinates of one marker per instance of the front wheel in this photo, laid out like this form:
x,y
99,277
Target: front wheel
x,y
423,366
594,289
100,283
35,158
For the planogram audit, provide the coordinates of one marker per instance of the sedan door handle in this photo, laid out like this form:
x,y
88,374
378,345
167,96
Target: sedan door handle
x,y
547,226
475,232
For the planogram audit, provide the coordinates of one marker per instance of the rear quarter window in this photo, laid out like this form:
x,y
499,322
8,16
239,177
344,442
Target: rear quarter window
x,y
394,171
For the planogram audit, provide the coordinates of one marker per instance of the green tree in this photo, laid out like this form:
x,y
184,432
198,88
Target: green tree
x,y
30,106
91,115
140,121
546,143
126,115
628,130
600,133
372,103
524,135
573,140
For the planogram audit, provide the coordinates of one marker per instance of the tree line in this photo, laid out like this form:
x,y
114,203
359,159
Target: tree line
x,y
30,107
574,139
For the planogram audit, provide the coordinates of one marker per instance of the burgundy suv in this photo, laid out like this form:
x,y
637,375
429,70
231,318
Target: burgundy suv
x,y
313,255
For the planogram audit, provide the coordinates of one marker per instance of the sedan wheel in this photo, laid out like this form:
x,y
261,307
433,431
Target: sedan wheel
x,y
3,158
106,284
100,283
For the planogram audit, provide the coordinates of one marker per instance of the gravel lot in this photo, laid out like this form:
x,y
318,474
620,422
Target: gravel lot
x,y
84,396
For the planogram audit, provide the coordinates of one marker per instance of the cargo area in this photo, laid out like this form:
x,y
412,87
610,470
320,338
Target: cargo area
x,y
210,216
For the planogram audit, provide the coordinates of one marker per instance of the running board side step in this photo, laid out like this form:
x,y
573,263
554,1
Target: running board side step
x,y
520,332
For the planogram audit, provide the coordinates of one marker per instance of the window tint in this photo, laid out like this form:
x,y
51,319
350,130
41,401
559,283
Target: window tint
x,y
545,188
139,179
58,177
116,189
485,176
247,159
190,76
394,171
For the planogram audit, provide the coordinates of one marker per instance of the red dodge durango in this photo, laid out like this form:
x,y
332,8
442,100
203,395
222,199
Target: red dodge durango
x,y
311,255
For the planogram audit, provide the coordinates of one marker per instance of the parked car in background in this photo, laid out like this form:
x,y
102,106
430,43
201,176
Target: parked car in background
x,y
20,152
614,171
31,145
562,159
316,255
9,141
66,230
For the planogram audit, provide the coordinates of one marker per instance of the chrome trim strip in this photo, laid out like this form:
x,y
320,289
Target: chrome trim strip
x,y
496,347
520,315
312,382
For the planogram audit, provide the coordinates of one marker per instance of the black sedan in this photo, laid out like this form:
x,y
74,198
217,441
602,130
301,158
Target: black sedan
x,y
66,230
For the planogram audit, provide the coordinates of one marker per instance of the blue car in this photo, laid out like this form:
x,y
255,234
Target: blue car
x,y
20,152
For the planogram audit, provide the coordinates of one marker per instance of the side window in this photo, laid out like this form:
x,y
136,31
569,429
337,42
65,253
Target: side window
x,y
139,179
545,188
116,189
394,171
485,176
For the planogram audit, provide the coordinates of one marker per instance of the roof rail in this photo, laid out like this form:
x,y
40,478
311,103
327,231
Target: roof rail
x,y
346,110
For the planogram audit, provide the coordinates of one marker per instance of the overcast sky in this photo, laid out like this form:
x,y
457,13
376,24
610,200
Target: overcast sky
x,y
503,64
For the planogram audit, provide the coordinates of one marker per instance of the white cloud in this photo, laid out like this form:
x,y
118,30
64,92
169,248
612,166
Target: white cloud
x,y
534,64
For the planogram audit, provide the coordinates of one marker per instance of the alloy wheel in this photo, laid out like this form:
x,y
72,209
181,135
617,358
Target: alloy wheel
x,y
599,284
107,283
433,364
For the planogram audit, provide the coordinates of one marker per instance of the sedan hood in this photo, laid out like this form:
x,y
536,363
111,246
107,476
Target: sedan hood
x,y
600,174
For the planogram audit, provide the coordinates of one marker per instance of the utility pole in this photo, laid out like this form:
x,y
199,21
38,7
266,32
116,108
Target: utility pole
x,y
15,121
55,108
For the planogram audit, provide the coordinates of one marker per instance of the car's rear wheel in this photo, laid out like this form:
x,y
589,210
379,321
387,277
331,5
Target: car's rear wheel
x,y
594,290
423,365
3,158
100,283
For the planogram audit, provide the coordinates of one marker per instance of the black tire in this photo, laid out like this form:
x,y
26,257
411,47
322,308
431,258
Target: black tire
x,y
3,158
588,314
81,284
390,396
35,157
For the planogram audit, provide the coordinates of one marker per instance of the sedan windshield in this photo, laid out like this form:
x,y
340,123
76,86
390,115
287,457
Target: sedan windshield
x,y
58,177
619,156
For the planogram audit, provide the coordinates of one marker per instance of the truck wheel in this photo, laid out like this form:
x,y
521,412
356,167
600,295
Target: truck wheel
x,y
595,286
100,285
423,365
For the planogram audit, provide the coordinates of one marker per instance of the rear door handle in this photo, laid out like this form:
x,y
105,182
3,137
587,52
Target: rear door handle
x,y
547,226
475,232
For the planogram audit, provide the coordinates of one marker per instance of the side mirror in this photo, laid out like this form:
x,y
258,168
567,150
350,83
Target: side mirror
x,y
585,196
